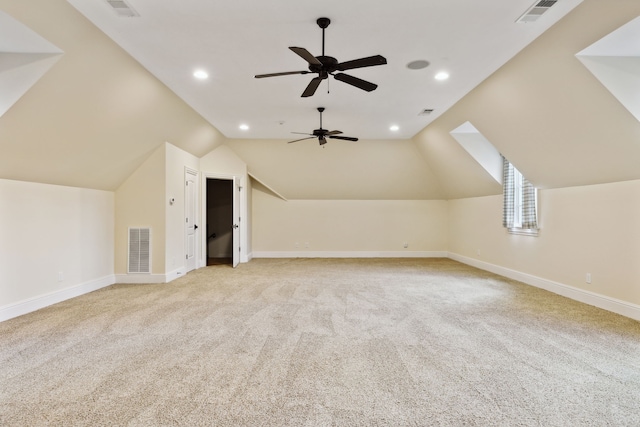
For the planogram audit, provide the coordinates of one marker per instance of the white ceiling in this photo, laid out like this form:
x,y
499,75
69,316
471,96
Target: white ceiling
x,y
235,40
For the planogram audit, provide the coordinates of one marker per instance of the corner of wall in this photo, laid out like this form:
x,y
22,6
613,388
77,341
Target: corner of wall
x,y
139,202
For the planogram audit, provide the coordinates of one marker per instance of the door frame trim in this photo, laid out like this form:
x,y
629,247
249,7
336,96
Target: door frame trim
x,y
203,212
196,255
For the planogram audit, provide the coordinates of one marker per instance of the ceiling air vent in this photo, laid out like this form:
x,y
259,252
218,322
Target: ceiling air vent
x,y
426,112
536,11
122,8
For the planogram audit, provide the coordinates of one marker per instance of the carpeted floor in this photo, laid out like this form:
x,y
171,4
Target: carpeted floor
x,y
322,342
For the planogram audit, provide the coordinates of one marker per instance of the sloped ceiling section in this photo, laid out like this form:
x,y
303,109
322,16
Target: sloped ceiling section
x,y
340,170
96,115
24,58
459,174
545,112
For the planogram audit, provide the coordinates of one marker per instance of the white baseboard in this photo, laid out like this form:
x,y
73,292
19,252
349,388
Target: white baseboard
x,y
173,275
597,300
137,278
601,301
141,278
349,254
36,303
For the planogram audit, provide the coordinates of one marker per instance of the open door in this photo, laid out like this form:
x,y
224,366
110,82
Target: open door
x,y
222,221
236,221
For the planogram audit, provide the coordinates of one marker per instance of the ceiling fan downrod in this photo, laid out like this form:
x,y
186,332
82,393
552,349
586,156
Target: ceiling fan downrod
x,y
321,109
323,23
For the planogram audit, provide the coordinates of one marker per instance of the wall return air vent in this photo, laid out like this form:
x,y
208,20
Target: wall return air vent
x,y
122,9
139,250
536,11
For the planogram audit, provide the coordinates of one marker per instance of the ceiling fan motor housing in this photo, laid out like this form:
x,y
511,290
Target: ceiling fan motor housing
x,y
329,65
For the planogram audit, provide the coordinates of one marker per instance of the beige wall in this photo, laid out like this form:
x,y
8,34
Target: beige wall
x,y
341,170
224,162
140,203
589,229
48,229
346,225
143,201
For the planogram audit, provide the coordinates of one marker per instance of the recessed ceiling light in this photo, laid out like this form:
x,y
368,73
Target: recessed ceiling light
x,y
394,128
442,75
200,74
244,127
418,65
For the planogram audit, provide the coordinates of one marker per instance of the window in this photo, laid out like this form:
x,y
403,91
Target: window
x,y
520,211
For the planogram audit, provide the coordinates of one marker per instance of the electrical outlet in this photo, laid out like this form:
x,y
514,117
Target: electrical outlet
x,y
60,276
297,245
478,252
405,245
306,245
588,278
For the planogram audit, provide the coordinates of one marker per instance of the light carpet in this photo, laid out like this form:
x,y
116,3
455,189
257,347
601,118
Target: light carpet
x,y
322,342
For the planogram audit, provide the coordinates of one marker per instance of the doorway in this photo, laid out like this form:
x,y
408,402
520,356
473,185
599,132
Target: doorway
x,y
219,221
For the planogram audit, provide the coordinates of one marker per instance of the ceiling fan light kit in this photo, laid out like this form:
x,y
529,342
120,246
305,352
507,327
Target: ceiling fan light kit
x,y
325,66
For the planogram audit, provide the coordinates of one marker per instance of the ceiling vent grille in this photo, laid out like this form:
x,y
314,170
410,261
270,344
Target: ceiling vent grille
x,y
536,11
139,250
122,9
426,112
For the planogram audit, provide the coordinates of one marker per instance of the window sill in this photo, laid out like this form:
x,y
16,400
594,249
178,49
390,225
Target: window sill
x,y
524,231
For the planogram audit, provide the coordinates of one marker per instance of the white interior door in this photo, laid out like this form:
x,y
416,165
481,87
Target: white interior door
x,y
236,221
190,197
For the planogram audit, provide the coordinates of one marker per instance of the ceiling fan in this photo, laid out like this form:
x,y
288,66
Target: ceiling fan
x,y
323,134
328,65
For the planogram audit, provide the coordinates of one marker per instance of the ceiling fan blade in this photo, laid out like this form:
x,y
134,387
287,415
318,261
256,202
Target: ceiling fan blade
x,y
354,81
369,61
346,138
310,137
333,132
306,55
311,89
303,133
286,73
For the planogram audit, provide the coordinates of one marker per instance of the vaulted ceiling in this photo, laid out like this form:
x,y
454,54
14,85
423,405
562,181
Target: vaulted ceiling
x,y
233,41
124,86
